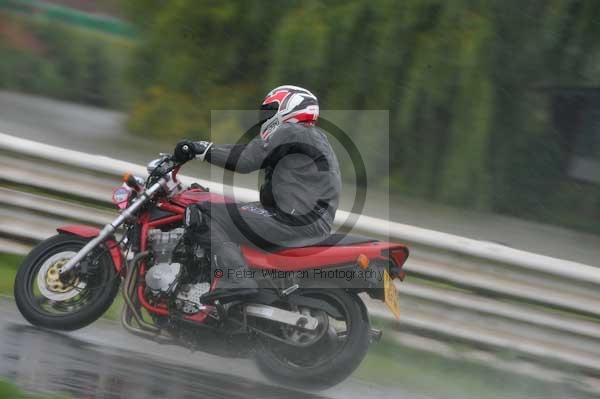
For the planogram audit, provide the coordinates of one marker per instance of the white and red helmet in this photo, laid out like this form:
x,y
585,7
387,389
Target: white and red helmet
x,y
290,104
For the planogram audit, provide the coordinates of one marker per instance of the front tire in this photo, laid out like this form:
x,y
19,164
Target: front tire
x,y
47,301
303,367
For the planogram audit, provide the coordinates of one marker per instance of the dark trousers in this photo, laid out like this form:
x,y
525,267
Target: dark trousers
x,y
230,225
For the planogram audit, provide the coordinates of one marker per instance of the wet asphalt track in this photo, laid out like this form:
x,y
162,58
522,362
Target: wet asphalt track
x,y
103,361
58,363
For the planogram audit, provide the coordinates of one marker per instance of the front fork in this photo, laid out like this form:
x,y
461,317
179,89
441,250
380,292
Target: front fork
x,y
110,228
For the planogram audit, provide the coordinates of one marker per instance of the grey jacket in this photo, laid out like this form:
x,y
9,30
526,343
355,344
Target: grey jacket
x,y
301,172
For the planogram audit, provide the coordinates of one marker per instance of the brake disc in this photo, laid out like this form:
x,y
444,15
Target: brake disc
x,y
49,282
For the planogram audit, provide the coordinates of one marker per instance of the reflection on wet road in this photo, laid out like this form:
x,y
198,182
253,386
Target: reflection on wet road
x,y
45,361
103,361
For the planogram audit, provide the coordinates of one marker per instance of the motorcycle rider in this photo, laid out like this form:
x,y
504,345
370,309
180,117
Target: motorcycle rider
x,y
298,198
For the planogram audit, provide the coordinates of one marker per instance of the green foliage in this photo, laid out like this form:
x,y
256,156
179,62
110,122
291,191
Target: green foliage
x,y
458,77
98,21
469,124
161,112
212,55
65,62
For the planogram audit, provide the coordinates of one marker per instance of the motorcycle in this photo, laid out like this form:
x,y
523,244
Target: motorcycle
x,y
302,330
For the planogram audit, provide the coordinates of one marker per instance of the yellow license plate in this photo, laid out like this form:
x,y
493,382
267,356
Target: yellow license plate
x,y
391,295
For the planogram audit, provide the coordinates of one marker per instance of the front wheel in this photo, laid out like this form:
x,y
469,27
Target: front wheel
x,y
49,300
333,354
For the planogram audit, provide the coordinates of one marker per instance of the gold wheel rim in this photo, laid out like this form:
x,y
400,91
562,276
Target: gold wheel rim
x,y
53,281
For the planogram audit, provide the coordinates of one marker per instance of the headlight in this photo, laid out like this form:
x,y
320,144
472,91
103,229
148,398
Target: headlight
x,y
121,196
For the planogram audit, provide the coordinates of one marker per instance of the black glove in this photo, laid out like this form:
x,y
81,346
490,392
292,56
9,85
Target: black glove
x,y
187,149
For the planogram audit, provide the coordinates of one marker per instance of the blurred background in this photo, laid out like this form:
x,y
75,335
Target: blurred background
x,y
494,126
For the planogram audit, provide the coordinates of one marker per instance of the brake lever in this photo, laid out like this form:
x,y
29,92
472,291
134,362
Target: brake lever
x,y
165,166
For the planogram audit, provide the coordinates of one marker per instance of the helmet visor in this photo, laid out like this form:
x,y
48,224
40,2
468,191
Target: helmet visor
x,y
267,111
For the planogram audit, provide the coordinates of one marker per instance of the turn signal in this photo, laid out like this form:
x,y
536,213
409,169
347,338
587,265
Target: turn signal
x,y
130,181
363,261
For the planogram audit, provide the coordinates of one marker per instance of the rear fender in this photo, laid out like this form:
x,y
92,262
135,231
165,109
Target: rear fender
x,y
91,232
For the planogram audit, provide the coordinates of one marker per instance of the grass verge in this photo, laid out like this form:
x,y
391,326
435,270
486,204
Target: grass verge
x,y
428,375
10,391
8,269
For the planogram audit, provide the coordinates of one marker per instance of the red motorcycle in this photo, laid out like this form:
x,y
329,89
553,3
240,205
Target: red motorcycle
x,y
306,327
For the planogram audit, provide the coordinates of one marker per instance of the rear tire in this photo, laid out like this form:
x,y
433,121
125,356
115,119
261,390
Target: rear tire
x,y
98,288
326,374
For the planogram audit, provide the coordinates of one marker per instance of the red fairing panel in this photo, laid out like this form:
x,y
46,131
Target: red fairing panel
x,y
195,196
293,259
91,232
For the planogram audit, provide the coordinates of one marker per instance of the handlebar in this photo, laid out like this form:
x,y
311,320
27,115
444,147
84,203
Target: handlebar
x,y
165,166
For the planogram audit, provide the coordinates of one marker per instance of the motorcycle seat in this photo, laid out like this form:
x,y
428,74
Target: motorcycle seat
x,y
333,240
336,249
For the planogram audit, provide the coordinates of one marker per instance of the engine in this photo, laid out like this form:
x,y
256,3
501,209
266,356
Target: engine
x,y
163,278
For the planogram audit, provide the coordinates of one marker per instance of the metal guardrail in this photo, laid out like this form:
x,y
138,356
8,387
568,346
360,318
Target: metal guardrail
x,y
462,290
413,234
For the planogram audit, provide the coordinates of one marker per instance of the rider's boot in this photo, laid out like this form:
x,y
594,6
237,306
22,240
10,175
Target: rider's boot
x,y
235,279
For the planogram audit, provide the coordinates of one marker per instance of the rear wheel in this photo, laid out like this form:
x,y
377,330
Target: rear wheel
x,y
49,300
322,358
